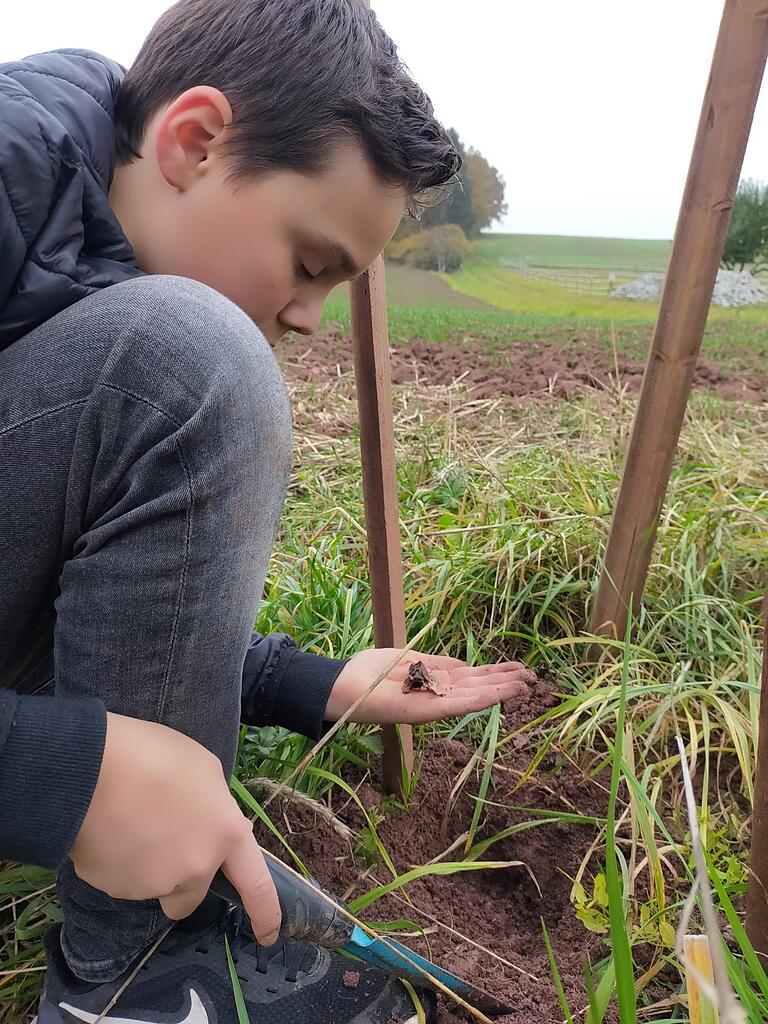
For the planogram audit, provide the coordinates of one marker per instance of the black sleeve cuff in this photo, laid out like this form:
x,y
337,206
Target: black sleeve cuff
x,y
305,687
49,766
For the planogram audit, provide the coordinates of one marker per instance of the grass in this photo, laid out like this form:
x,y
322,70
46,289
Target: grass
x,y
500,287
503,524
565,251
409,288
487,285
485,276
505,512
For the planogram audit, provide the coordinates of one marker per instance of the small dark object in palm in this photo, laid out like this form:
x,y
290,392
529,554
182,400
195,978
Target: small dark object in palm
x,y
420,678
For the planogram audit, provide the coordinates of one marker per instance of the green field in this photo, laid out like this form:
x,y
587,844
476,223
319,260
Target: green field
x,y
633,254
487,283
409,288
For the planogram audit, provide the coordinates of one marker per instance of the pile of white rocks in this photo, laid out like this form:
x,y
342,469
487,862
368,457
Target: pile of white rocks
x,y
732,288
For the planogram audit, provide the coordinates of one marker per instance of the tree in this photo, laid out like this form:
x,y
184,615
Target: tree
x,y
457,208
747,239
443,248
486,191
477,199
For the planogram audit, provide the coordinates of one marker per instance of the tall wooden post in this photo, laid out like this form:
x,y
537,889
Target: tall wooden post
x,y
713,175
370,340
757,886
382,521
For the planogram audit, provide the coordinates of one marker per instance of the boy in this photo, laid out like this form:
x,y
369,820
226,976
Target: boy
x,y
155,228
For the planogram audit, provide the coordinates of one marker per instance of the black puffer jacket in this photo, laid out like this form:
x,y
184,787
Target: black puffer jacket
x,y
60,241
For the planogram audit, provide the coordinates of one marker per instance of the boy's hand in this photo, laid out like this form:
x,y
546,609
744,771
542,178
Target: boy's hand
x,y
467,689
162,822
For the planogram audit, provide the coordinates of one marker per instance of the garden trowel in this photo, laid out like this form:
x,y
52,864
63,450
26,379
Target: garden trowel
x,y
313,915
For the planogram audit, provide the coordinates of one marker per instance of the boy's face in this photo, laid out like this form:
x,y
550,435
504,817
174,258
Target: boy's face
x,y
274,245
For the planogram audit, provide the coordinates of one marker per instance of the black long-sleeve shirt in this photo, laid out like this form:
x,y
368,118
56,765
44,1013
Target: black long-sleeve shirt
x,y
51,747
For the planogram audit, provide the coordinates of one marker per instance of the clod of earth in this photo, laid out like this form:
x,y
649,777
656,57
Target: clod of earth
x,y
420,678
351,979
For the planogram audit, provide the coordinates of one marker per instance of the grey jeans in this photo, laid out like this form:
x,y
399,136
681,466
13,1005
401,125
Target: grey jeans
x,y
145,447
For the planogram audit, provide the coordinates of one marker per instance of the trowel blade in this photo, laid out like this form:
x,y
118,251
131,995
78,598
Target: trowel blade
x,y
392,961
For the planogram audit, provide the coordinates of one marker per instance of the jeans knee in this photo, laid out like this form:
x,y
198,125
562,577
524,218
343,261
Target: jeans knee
x,y
184,346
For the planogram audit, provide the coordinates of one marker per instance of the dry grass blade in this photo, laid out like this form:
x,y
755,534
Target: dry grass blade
x,y
701,1009
269,786
131,976
311,754
722,994
448,850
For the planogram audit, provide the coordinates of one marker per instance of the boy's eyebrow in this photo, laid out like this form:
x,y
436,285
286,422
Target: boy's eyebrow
x,y
339,253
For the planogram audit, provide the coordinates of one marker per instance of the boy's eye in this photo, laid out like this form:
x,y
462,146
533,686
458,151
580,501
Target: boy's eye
x,y
303,273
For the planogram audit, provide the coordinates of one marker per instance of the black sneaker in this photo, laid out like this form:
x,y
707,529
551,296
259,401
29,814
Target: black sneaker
x,y
187,981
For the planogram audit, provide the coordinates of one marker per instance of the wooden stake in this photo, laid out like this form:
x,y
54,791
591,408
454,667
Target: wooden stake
x,y
382,521
699,976
757,885
713,175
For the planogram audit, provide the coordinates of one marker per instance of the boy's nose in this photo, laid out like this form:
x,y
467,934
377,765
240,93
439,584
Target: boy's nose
x,y
303,317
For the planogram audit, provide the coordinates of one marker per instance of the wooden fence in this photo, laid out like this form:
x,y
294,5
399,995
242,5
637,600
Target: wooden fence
x,y
588,281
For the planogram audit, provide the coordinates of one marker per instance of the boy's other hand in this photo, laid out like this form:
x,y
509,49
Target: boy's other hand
x,y
464,689
162,822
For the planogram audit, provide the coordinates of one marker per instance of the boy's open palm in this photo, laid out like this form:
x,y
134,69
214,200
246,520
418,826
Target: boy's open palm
x,y
162,822
462,688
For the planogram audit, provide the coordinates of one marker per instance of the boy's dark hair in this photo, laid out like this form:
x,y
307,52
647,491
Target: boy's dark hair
x,y
300,75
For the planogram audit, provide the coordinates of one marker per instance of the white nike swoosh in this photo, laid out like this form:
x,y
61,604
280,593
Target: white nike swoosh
x,y
197,1014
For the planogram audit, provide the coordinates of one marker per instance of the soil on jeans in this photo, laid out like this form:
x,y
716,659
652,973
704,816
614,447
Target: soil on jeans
x,y
518,368
500,909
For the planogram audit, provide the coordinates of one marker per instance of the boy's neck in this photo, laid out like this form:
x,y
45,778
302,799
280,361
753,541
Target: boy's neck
x,y
125,197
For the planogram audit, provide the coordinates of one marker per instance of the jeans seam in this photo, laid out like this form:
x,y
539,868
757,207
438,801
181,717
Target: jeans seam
x,y
143,401
42,415
182,584
140,398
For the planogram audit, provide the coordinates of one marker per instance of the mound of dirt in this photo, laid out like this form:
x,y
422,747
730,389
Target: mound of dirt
x,y
531,368
732,288
500,910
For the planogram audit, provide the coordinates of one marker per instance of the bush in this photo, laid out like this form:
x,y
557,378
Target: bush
x,y
443,248
747,241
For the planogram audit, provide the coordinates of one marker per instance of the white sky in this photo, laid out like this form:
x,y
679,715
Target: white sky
x,y
587,108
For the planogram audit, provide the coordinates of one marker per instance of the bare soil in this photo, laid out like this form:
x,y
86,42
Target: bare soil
x,y
553,368
500,909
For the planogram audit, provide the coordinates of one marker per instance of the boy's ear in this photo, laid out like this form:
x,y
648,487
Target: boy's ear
x,y
189,132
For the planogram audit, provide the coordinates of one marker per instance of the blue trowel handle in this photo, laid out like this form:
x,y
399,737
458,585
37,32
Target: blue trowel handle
x,y
306,914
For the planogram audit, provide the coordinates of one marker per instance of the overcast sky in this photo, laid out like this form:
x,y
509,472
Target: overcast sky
x,y
588,109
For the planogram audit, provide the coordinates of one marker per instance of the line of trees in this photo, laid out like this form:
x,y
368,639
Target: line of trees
x,y
747,240
440,240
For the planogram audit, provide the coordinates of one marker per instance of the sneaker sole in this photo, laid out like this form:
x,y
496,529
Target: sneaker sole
x,y
49,1015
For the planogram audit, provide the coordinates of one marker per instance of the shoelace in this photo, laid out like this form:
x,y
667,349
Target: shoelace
x,y
296,956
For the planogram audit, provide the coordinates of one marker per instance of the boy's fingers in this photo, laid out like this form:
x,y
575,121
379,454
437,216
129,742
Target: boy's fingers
x,y
463,702
417,708
477,673
247,870
480,679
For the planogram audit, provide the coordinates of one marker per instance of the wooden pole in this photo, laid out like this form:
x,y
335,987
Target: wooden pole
x,y
713,175
757,885
370,340
377,442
